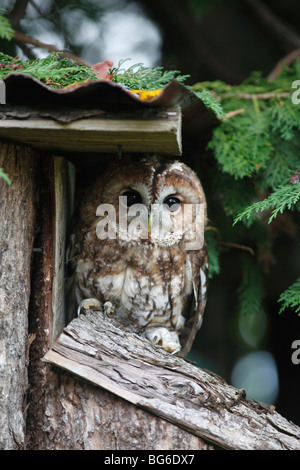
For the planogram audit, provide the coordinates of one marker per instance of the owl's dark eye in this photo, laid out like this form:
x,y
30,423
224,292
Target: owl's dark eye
x,y
133,197
172,203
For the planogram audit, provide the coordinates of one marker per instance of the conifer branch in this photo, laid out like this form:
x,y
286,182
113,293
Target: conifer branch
x,y
250,291
258,96
238,246
284,197
291,298
6,31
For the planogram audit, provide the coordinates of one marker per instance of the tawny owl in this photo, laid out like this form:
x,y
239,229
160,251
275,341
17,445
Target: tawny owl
x,y
137,247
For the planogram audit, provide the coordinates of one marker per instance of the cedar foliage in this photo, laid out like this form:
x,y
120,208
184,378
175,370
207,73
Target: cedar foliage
x,y
6,31
257,151
139,77
53,70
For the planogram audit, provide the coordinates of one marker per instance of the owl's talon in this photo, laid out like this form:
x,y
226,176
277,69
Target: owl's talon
x,y
108,308
155,340
166,339
86,304
176,350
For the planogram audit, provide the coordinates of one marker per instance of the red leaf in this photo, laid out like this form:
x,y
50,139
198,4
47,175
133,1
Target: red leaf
x,y
102,68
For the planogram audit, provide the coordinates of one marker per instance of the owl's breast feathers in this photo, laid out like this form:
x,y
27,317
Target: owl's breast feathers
x,y
150,285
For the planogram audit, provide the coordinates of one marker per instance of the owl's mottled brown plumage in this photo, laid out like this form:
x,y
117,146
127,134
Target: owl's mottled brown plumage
x,y
156,286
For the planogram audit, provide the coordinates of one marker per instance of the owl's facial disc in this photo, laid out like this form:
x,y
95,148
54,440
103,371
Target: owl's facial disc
x,y
153,203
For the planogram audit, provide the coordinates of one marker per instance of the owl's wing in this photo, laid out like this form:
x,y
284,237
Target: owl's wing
x,y
195,308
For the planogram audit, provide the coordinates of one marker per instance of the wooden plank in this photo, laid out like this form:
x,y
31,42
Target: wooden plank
x,y
103,353
64,177
161,134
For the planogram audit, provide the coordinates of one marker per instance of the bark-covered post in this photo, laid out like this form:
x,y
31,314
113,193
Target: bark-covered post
x,y
17,217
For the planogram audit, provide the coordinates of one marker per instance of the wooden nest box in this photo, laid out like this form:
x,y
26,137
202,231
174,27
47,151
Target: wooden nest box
x,y
64,387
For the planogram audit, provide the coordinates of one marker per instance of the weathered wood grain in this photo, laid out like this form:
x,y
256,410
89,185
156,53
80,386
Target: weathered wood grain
x,y
17,226
105,354
83,416
156,134
63,174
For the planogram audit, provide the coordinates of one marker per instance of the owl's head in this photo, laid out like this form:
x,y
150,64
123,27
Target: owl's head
x,y
153,201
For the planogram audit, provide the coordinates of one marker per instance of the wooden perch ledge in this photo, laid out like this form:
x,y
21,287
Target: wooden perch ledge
x,y
104,353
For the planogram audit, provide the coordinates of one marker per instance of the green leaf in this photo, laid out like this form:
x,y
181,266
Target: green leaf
x,y
242,144
285,118
213,253
139,77
250,291
210,102
284,197
285,157
6,31
4,176
54,70
291,298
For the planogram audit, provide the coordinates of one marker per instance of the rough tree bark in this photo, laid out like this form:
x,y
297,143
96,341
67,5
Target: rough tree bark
x,y
82,416
17,215
103,352
40,308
